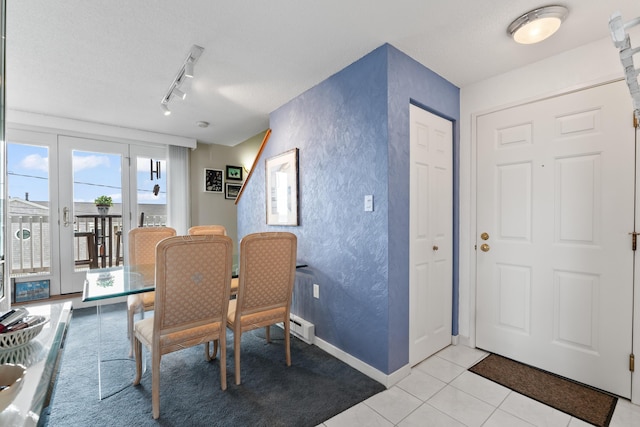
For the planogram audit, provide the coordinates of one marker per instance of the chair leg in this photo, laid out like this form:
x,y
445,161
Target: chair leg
x,y
287,342
267,333
236,353
131,311
223,359
208,356
138,357
155,384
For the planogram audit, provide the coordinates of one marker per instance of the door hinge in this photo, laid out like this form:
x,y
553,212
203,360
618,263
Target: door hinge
x,y
632,362
634,240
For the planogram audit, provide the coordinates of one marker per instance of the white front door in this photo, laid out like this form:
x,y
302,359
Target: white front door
x,y
555,193
431,234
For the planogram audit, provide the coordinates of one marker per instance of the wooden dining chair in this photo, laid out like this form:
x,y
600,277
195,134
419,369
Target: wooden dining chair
x,y
216,230
198,230
142,252
193,275
266,277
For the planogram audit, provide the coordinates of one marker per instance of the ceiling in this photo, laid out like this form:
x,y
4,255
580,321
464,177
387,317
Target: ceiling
x,y
112,62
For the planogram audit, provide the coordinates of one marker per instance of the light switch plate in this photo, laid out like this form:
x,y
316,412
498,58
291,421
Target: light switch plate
x,y
368,203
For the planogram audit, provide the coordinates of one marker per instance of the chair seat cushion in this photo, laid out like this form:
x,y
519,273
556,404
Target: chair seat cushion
x,y
256,320
145,299
193,336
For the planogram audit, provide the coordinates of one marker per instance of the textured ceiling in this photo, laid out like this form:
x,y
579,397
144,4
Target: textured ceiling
x,y
112,62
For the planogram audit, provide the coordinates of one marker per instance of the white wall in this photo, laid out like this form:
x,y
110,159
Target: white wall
x,y
588,65
213,208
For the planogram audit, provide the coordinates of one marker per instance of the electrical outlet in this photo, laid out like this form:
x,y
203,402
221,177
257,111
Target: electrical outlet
x,y
316,290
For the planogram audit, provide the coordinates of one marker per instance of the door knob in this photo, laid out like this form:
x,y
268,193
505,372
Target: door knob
x,y
435,247
485,248
484,236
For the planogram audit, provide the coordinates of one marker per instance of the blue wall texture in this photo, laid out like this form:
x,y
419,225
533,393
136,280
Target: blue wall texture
x,y
352,131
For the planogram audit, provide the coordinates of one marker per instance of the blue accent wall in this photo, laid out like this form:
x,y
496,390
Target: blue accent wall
x,y
352,131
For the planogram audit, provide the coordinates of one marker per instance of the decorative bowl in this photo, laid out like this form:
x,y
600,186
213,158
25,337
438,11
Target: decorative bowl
x,y
11,379
21,336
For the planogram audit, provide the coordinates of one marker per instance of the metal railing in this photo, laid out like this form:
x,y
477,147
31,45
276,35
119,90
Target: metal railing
x,y
30,242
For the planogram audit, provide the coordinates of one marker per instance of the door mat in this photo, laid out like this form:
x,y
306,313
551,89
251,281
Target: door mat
x,y
578,400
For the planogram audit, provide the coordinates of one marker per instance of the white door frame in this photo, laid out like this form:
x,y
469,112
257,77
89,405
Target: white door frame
x,y
473,231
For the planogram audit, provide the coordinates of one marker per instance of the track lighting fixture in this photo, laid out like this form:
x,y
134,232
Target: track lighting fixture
x,y
185,71
622,41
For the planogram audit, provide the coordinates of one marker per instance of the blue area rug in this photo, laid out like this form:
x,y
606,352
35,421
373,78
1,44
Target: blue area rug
x,y
314,388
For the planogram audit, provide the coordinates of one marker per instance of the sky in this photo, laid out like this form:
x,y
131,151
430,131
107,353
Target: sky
x,y
94,174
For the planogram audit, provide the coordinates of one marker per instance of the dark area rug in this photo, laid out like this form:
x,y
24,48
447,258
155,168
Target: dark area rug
x,y
314,388
578,400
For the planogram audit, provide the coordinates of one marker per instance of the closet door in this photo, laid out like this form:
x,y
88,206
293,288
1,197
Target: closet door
x,y
431,234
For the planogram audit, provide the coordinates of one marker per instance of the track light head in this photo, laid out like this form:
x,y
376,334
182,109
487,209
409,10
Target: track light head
x,y
178,93
188,68
165,109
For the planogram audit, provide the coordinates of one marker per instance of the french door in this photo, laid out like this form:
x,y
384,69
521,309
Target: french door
x,y
88,169
53,180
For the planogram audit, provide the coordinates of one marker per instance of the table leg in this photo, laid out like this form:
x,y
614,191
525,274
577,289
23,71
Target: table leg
x,y
99,315
102,359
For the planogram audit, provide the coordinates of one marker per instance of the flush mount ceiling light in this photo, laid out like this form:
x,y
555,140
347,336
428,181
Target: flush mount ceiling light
x,y
185,72
538,24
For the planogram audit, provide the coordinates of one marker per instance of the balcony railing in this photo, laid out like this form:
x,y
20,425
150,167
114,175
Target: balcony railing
x,y
30,243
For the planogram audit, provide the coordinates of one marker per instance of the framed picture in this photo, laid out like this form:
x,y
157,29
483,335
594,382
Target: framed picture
x,y
281,176
232,190
234,173
212,180
29,291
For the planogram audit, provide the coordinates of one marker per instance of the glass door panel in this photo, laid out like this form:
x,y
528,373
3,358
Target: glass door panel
x,y
150,180
30,210
91,169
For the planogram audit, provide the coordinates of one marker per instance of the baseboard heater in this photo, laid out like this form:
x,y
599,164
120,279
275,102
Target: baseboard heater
x,y
301,328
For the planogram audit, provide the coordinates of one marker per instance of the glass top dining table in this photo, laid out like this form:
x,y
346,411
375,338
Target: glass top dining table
x,y
105,283
113,282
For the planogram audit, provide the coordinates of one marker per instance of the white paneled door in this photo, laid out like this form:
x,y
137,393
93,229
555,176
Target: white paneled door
x,y
431,231
555,206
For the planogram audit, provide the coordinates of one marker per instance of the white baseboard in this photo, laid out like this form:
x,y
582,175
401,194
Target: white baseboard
x,y
370,371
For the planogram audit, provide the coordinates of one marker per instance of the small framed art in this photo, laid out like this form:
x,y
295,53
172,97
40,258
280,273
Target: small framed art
x,y
213,180
30,291
232,190
234,173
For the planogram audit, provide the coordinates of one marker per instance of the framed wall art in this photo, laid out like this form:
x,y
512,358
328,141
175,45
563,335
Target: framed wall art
x,y
213,180
30,291
232,189
281,176
234,173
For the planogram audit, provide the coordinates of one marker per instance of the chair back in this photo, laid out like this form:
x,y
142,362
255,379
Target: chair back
x,y
267,273
143,241
193,275
198,230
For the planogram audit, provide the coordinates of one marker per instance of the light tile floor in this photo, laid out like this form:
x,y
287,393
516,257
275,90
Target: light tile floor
x,y
440,392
